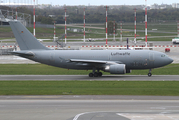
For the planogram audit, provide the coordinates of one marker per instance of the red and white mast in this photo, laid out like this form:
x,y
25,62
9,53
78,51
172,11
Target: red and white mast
x,y
84,24
178,28
54,31
34,18
65,27
12,13
16,13
145,23
135,25
114,31
121,31
106,26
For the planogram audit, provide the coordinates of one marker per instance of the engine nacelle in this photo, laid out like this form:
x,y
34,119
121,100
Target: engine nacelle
x,y
116,69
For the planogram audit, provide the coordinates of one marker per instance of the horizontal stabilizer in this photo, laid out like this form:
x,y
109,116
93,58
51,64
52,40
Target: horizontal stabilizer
x,y
23,53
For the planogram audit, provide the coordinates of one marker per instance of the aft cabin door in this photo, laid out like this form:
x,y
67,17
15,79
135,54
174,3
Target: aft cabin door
x,y
109,57
52,55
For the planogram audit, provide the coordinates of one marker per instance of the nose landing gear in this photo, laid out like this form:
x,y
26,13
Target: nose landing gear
x,y
150,74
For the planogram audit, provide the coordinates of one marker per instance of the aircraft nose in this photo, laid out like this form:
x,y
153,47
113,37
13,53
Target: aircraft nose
x,y
170,60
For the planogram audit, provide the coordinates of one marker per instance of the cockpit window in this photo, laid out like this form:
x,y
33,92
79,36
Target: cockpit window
x,y
163,55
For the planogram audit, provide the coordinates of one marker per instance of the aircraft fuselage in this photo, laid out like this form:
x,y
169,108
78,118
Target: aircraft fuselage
x,y
133,59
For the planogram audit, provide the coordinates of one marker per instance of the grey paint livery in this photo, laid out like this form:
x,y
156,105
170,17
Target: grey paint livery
x,y
113,61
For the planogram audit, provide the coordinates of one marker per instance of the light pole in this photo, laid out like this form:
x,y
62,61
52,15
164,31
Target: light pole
x,y
145,23
54,38
106,25
65,27
84,24
135,25
34,18
121,31
114,30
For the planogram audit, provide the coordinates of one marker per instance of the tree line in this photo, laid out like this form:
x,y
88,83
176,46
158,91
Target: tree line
x,y
97,14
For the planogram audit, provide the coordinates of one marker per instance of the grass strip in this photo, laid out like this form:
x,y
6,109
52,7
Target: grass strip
x,y
41,69
161,88
47,33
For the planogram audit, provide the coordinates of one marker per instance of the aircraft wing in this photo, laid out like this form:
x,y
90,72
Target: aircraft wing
x,y
95,61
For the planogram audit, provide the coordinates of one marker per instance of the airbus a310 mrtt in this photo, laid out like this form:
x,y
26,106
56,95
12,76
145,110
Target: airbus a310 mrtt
x,y
113,61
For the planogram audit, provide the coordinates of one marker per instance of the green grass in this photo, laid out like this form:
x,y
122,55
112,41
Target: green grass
x,y
162,88
172,69
75,87
41,69
168,27
36,69
161,39
47,33
5,29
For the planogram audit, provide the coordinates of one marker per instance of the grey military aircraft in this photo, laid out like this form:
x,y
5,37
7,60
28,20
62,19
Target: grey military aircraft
x,y
113,61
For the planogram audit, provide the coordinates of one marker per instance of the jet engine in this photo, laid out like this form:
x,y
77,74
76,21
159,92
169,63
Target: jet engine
x,y
116,69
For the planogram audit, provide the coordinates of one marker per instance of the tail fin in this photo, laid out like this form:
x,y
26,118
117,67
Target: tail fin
x,y
24,38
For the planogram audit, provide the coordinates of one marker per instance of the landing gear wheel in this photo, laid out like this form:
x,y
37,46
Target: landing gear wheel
x,y
100,74
91,75
149,74
95,74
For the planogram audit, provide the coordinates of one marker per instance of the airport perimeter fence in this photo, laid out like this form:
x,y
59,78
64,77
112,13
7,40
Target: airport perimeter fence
x,y
37,25
5,25
6,51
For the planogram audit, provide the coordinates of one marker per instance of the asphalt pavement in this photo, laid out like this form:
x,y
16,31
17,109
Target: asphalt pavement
x,y
86,77
89,107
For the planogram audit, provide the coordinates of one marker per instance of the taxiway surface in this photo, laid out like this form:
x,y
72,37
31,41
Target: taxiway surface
x,y
85,77
89,108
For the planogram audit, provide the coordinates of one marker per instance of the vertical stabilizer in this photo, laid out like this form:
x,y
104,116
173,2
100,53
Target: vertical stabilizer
x,y
24,38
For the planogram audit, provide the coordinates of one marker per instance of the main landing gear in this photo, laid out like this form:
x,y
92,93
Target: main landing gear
x,y
95,74
150,74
